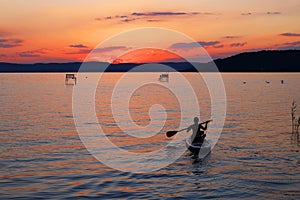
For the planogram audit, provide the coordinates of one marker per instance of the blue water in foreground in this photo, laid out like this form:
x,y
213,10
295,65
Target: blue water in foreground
x,y
42,155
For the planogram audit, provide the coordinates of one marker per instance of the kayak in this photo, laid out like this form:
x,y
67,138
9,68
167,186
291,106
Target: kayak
x,y
205,147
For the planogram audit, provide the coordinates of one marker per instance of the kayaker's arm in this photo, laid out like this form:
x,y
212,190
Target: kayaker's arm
x,y
203,127
189,128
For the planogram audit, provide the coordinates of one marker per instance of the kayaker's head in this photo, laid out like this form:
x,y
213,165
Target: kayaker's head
x,y
196,120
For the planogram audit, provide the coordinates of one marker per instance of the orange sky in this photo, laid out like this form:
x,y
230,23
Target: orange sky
x,y
67,30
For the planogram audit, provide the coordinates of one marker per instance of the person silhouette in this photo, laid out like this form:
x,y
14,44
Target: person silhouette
x,y
198,135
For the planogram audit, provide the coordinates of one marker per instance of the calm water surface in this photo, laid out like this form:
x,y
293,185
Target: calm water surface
x,y
42,156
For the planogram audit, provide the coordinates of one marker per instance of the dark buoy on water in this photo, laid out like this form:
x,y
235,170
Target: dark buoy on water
x,y
282,82
244,82
267,82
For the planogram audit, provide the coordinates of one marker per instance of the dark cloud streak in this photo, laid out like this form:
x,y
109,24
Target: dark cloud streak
x,y
160,13
218,46
154,14
290,34
273,13
109,49
10,43
194,44
246,14
31,53
79,46
99,50
128,20
265,13
145,15
80,51
289,45
153,20
238,44
231,37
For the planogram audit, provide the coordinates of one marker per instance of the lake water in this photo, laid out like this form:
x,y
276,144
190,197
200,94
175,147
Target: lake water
x,y
42,155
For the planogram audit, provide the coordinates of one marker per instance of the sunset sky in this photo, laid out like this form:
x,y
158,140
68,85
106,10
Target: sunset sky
x,y
67,30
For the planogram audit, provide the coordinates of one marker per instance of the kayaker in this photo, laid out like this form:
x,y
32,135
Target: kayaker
x,y
198,135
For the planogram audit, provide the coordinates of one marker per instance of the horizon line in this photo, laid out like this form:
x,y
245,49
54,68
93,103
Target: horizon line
x,y
213,59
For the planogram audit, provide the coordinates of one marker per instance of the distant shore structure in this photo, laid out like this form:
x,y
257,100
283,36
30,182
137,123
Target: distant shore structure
x,y
164,77
70,77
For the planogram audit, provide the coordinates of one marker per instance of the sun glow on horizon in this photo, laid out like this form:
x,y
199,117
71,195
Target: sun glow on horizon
x,y
148,55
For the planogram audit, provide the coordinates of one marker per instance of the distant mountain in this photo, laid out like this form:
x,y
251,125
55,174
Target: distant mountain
x,y
261,61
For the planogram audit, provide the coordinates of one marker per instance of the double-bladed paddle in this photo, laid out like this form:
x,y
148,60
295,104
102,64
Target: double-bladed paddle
x,y
172,133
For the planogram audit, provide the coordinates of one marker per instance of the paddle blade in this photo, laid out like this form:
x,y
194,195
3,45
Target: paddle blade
x,y
171,133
